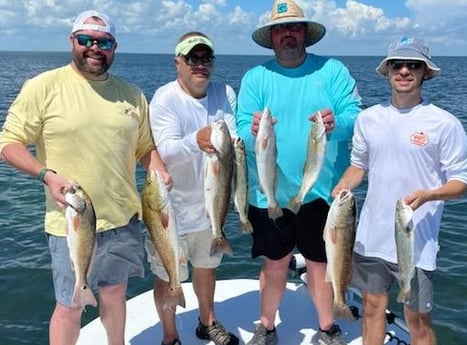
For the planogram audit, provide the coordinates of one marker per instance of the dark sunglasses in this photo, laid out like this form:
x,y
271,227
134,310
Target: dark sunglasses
x,y
294,27
412,65
195,60
88,41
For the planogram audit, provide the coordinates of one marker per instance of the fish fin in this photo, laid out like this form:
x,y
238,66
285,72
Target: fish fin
x,y
182,258
174,297
165,219
220,244
402,296
333,234
75,223
275,211
294,204
72,264
83,296
215,165
246,226
264,142
325,233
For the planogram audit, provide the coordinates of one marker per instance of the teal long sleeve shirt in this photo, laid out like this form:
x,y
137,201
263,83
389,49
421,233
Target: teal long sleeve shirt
x,y
293,95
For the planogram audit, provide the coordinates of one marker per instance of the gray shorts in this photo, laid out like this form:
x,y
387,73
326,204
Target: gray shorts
x,y
119,256
374,275
195,246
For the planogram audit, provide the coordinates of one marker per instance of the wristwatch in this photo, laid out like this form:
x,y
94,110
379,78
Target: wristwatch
x,y
41,175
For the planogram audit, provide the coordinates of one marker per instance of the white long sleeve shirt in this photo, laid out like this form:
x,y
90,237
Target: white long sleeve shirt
x,y
175,118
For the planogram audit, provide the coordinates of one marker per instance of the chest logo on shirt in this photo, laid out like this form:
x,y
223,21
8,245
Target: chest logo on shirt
x,y
419,138
128,110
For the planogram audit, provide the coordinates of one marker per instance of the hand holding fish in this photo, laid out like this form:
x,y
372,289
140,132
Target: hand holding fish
x,y
203,138
351,179
417,198
338,188
256,120
328,119
166,178
58,186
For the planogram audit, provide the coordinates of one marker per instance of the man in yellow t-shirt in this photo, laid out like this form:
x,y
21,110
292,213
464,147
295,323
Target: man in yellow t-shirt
x,y
91,127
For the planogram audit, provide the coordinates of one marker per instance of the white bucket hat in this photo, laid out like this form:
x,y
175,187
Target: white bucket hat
x,y
288,12
409,48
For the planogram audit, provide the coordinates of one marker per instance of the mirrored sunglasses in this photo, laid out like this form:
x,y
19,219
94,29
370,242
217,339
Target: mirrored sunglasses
x,y
195,60
294,27
88,41
412,65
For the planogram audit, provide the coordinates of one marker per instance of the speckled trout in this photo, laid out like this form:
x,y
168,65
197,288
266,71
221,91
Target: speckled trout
x,y
218,184
159,218
80,220
404,236
266,154
241,186
339,235
316,151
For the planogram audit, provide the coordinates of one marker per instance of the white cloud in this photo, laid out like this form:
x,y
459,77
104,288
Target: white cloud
x,y
154,25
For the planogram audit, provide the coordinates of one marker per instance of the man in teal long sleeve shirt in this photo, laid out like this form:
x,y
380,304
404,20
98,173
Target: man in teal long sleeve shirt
x,y
295,86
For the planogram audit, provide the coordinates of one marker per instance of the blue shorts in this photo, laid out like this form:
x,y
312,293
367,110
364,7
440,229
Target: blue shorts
x,y
276,239
376,276
119,256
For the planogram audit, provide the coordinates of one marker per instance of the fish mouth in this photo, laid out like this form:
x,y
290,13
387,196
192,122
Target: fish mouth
x,y
345,194
73,200
74,207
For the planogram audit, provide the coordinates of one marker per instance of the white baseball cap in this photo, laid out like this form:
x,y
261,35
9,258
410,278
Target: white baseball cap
x,y
80,24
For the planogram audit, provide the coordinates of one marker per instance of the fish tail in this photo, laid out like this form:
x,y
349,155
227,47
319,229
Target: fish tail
x,y
294,204
275,211
174,297
220,245
83,296
403,295
246,226
342,310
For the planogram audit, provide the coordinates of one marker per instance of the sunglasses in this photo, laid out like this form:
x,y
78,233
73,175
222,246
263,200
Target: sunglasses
x,y
88,41
411,65
195,60
295,27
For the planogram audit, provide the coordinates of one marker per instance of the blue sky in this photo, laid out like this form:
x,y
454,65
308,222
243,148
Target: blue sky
x,y
354,27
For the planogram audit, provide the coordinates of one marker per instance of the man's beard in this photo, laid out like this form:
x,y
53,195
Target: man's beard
x,y
97,70
291,52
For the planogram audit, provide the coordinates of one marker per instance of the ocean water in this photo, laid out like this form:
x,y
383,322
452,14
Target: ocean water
x,y
26,292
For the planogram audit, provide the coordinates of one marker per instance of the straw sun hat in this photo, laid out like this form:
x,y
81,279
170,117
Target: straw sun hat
x,y
288,12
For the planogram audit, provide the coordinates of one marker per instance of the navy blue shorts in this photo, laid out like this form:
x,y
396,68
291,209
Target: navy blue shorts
x,y
276,239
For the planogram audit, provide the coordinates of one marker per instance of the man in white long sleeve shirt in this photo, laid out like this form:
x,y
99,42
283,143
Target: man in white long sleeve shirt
x,y
180,114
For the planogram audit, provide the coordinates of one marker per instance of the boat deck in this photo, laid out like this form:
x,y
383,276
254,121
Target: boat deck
x,y
237,307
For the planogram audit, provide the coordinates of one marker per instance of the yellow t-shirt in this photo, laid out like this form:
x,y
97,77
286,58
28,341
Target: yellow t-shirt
x,y
91,132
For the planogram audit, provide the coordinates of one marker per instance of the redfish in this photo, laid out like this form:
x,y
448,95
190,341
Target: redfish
x,y
80,221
